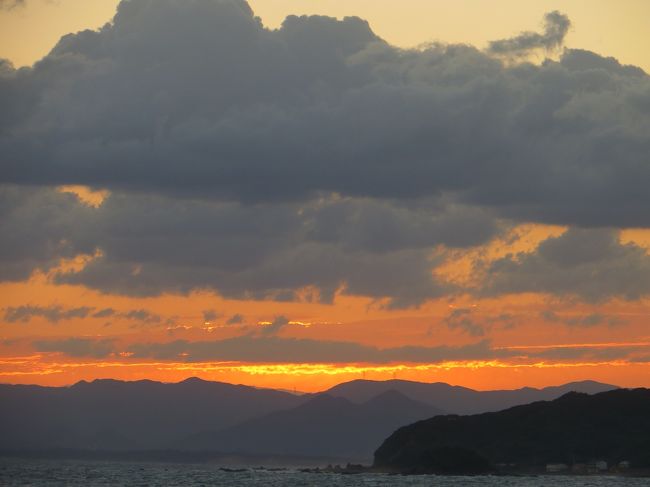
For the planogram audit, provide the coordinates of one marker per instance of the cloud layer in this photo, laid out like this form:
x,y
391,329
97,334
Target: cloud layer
x,y
271,349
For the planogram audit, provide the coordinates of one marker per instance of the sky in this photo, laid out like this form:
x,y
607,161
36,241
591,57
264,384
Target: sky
x,y
293,194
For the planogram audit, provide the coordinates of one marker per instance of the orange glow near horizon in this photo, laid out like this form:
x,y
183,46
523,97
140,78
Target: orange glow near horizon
x,y
55,370
359,320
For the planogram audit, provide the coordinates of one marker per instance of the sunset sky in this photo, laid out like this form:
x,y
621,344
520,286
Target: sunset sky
x,y
433,190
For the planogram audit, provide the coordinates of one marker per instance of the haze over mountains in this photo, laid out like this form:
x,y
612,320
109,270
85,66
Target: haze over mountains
x,y
348,421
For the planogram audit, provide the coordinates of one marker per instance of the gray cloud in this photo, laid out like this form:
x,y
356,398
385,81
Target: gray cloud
x,y
273,349
475,324
104,313
53,314
556,26
141,315
461,318
62,230
11,4
587,320
590,264
77,347
235,319
153,244
210,315
283,104
276,325
255,162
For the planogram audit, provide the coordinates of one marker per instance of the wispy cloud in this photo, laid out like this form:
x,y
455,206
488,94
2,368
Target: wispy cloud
x,y
53,314
56,313
11,4
556,27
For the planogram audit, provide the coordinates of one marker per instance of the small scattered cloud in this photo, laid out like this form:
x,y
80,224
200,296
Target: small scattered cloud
x,y
474,324
235,319
78,347
53,314
460,318
104,313
585,320
274,327
210,315
141,315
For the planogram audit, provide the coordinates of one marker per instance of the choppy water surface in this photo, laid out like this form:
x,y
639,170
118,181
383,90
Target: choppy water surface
x,y
14,472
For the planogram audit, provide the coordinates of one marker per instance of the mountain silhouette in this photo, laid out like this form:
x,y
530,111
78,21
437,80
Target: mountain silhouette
x,y
612,426
461,400
113,415
324,426
348,421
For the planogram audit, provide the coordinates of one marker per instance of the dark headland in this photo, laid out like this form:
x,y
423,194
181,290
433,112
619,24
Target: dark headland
x,y
608,432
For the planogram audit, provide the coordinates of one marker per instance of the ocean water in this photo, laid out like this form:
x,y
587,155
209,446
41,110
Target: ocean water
x,y
17,472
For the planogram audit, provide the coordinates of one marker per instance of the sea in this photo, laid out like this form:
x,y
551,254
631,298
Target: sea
x,y
19,472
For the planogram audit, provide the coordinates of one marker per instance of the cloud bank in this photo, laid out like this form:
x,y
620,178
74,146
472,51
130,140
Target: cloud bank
x,y
256,162
271,349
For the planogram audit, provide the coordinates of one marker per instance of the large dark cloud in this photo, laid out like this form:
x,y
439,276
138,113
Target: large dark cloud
x,y
197,98
254,162
148,244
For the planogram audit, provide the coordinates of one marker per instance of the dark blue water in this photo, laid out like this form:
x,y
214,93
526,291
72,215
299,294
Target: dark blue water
x,y
16,472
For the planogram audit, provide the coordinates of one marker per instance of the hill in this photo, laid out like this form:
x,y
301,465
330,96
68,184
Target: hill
x,y
325,426
612,426
461,400
117,415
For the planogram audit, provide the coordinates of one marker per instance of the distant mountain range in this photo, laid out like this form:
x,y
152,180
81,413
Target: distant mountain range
x,y
461,400
577,428
116,415
347,421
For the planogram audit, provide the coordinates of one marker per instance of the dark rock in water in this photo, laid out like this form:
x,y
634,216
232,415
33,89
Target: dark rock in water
x,y
446,461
